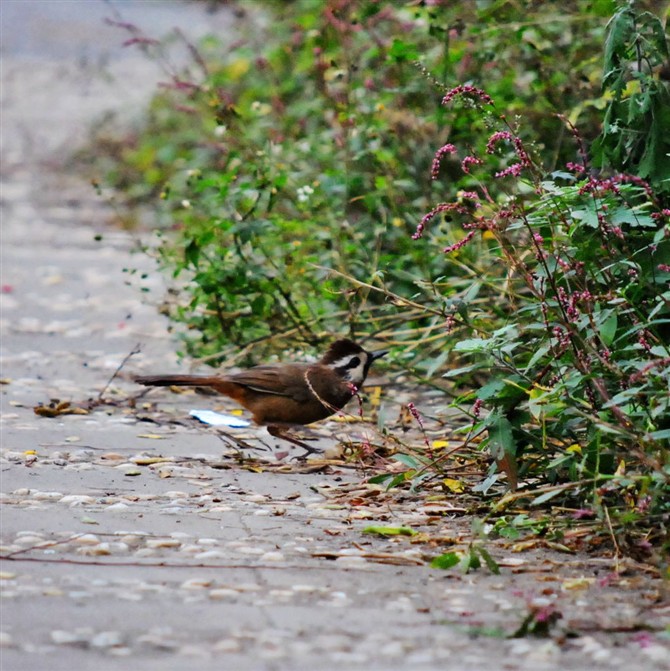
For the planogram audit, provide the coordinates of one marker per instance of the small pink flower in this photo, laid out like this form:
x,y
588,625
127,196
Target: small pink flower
x,y
415,413
644,639
477,408
642,339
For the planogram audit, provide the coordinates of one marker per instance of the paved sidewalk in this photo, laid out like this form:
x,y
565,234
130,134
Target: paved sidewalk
x,y
141,546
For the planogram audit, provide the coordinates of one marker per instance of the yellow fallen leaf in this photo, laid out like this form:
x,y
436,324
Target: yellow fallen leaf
x,y
152,436
253,469
56,408
522,546
577,583
374,395
455,486
439,444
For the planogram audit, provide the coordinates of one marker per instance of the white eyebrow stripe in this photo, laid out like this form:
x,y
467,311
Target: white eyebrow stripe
x,y
346,360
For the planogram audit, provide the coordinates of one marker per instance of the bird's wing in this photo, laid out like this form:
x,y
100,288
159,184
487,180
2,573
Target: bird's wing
x,y
274,380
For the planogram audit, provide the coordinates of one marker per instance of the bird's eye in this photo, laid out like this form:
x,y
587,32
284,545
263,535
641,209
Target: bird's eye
x,y
355,362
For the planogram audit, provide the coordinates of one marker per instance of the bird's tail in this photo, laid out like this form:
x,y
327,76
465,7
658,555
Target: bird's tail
x,y
218,383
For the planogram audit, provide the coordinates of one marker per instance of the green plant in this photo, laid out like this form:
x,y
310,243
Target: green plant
x,y
292,161
291,169
634,137
467,560
575,343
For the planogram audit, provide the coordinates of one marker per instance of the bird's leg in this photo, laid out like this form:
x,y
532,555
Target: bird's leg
x,y
281,432
238,443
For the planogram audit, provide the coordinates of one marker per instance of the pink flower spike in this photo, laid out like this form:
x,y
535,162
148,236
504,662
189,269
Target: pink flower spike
x,y
497,137
442,207
514,170
442,151
461,243
468,161
470,195
467,89
477,408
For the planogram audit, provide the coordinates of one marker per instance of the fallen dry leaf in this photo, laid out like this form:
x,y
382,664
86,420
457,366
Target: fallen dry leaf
x,y
57,408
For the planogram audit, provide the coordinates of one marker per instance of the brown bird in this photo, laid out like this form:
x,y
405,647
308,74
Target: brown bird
x,y
284,395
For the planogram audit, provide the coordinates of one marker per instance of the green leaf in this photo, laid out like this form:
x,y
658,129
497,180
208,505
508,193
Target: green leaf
x,y
619,32
470,561
403,51
400,479
627,215
588,217
463,370
436,363
192,252
607,328
390,531
501,439
446,561
544,403
540,352
486,484
380,479
505,393
474,345
491,563
408,460
547,496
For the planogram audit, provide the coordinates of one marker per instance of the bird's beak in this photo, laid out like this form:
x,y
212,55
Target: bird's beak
x,y
378,355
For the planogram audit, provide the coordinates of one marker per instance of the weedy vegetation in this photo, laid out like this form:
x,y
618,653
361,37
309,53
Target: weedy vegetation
x,y
486,190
